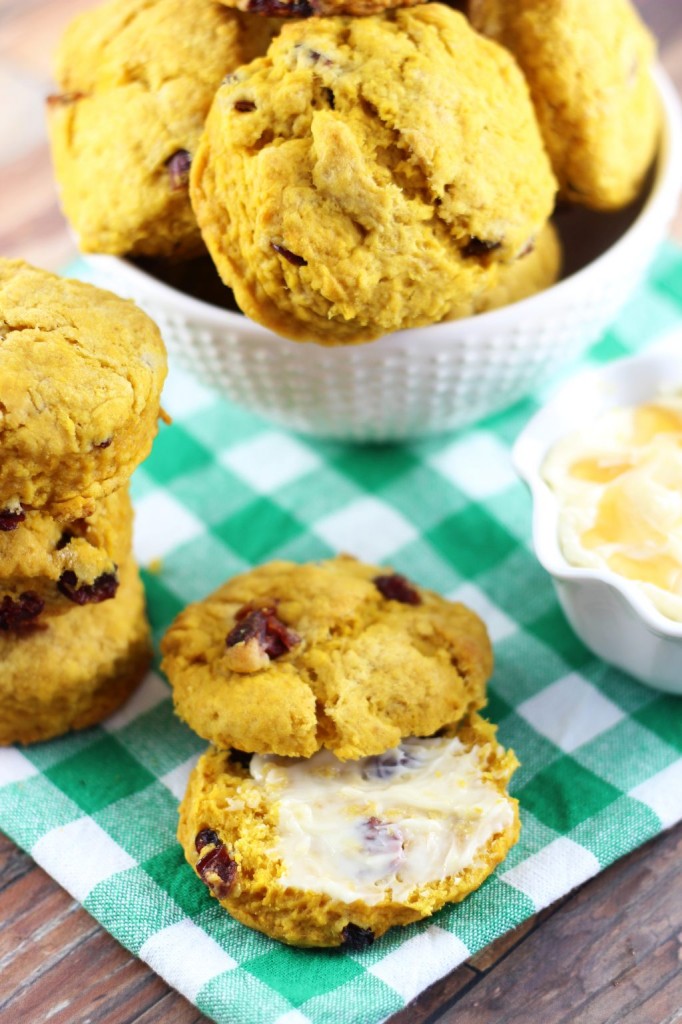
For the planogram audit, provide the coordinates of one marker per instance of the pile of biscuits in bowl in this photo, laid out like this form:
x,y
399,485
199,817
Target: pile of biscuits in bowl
x,y
350,175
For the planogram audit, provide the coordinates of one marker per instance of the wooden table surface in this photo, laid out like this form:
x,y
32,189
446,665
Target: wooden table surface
x,y
610,953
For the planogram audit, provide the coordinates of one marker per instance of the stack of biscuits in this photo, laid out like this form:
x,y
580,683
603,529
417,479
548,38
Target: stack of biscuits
x,y
81,373
350,784
353,167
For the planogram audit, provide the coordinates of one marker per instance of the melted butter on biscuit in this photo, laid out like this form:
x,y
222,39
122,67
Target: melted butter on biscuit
x,y
376,828
619,485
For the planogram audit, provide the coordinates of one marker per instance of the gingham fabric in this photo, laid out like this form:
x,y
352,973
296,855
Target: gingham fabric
x,y
600,772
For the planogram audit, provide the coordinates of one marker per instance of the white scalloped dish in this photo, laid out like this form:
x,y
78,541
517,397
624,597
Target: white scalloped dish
x,y
612,615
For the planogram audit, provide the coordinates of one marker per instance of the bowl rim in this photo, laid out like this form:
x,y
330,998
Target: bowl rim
x,y
659,205
535,440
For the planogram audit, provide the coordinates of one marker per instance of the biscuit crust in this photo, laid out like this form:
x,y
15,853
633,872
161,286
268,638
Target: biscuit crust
x,y
136,79
90,659
368,174
365,670
588,66
224,800
81,372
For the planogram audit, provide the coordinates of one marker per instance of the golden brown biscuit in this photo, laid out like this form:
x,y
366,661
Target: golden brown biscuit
x,y
81,372
47,566
90,660
368,173
288,658
326,853
135,80
588,66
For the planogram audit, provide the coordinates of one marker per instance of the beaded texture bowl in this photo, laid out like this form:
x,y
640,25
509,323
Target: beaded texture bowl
x,y
610,614
430,379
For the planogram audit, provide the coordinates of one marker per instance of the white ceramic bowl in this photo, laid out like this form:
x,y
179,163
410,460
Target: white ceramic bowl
x,y
420,381
611,615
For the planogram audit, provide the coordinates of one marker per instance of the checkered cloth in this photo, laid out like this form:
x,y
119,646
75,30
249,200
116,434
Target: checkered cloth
x,y
600,755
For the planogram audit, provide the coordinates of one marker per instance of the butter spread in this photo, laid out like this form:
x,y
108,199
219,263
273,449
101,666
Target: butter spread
x,y
618,481
381,827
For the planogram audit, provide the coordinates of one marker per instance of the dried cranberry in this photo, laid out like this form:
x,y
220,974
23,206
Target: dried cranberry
x,y
330,98
178,166
103,589
105,443
262,624
207,837
64,540
479,247
312,55
397,588
63,99
10,520
217,869
383,839
281,9
356,938
388,764
21,613
291,257
244,106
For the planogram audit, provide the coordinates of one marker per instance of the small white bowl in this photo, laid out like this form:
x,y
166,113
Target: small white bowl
x,y
610,614
430,379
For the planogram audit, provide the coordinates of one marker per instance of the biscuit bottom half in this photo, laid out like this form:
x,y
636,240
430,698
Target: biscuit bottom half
x,y
320,852
77,668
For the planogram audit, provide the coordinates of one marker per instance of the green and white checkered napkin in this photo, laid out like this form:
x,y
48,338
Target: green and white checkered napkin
x,y
600,772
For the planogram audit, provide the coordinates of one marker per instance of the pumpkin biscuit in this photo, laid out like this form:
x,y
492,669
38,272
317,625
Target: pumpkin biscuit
x,y
288,659
368,174
81,373
588,66
136,79
321,852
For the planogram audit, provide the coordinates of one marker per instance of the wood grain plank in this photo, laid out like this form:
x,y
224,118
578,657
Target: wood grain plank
x,y
172,1009
502,947
442,993
14,864
438,997
93,983
38,930
57,964
611,953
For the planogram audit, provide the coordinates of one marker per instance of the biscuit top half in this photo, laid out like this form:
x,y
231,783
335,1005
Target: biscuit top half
x,y
288,659
81,373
